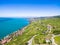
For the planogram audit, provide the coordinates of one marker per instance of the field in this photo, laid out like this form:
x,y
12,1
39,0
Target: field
x,y
57,40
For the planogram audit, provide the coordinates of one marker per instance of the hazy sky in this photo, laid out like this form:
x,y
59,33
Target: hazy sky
x,y
29,8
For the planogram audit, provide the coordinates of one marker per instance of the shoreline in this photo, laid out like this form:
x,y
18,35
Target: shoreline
x,y
9,27
13,32
9,37
17,31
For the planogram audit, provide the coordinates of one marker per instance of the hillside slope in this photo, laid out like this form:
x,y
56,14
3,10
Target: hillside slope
x,y
37,27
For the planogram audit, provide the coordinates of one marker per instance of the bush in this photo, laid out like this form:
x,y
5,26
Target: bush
x,y
56,32
44,41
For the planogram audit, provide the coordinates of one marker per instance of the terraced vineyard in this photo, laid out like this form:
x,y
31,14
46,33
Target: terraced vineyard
x,y
38,28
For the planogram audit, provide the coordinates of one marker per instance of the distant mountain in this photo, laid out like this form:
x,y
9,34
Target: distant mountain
x,y
57,16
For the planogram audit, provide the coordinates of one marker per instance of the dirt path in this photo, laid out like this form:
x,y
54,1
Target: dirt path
x,y
30,41
53,41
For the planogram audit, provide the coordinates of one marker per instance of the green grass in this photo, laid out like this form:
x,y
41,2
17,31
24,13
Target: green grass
x,y
57,40
39,39
33,42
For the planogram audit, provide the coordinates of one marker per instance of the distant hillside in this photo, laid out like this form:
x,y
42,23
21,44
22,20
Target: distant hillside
x,y
56,16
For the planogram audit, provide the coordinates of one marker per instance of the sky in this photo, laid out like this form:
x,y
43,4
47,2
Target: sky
x,y
29,8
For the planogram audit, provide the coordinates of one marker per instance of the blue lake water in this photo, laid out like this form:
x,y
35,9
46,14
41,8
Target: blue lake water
x,y
10,25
